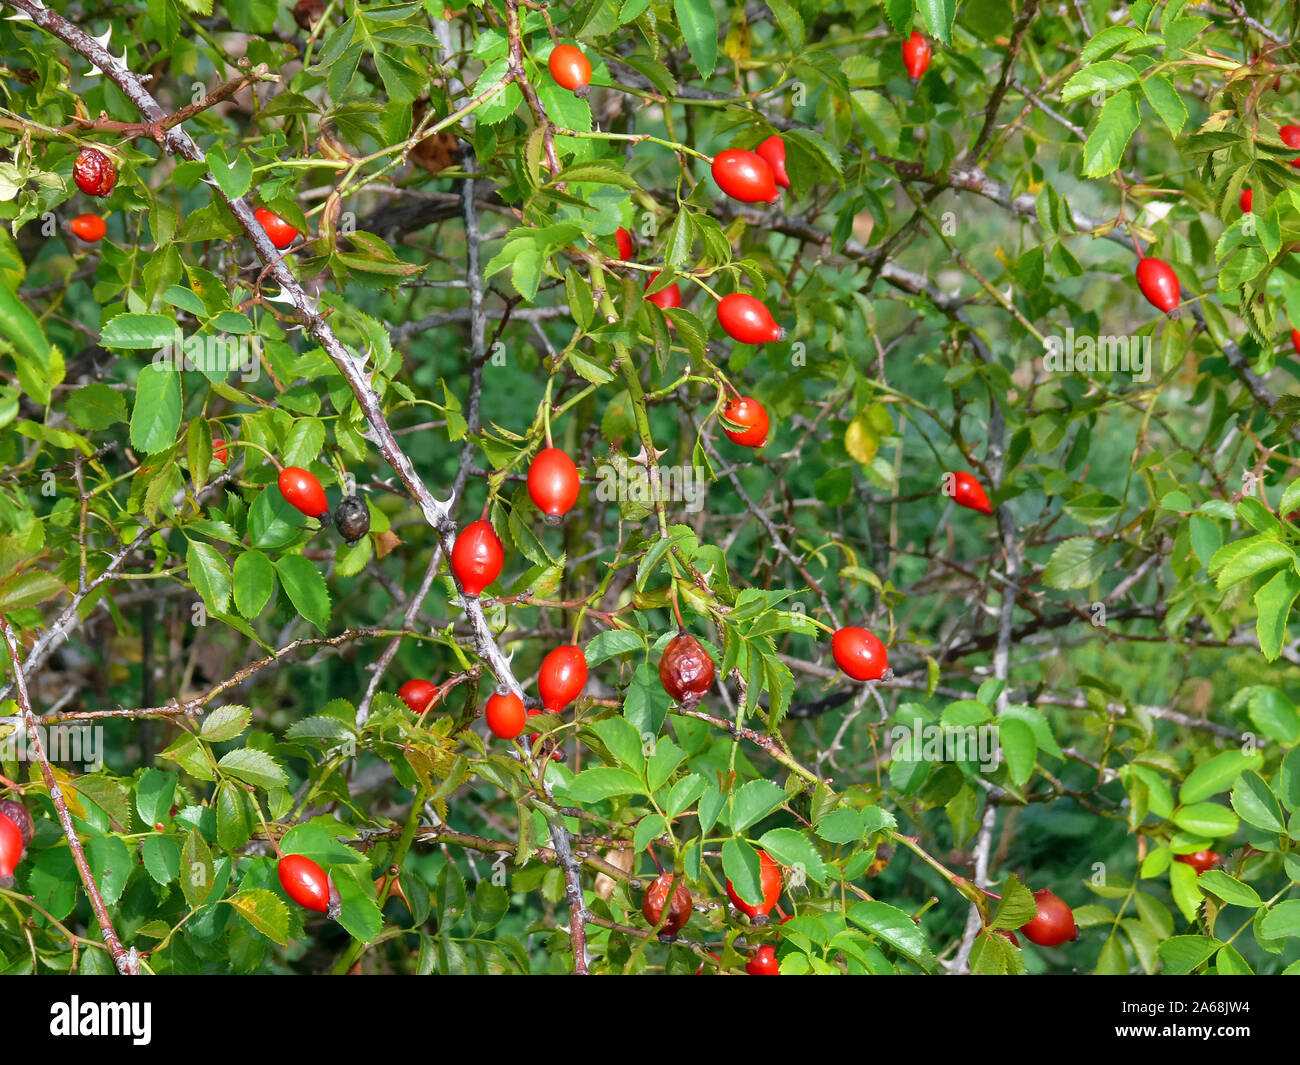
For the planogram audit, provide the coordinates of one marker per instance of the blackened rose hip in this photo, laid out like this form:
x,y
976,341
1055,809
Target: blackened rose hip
x,y
352,518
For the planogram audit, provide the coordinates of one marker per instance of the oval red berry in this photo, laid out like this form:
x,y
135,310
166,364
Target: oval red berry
x,y
279,231
745,176
1054,922
88,227
859,653
746,320
505,715
670,296
302,491
562,677
769,882
308,884
1159,283
916,56
569,67
751,418
772,152
418,694
553,482
11,849
967,492
477,556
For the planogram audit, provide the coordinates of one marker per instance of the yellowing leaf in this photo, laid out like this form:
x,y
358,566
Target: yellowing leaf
x,y
265,911
64,780
736,45
862,437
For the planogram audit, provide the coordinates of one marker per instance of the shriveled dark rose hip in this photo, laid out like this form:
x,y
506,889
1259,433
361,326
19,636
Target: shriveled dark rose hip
x,y
94,172
352,518
686,670
671,892
306,12
18,814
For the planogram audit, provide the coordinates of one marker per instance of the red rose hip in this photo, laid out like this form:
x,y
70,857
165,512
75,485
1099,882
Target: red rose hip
x,y
1158,282
570,68
667,891
772,152
11,850
309,885
745,176
685,669
1201,861
764,962
553,483
1054,923
967,492
625,243
419,695
477,556
19,815
88,227
750,417
302,491
279,231
665,297
769,881
562,677
859,653
746,320
916,56
1291,138
505,715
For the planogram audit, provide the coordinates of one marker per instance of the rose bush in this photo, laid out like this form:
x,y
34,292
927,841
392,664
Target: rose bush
x,y
884,367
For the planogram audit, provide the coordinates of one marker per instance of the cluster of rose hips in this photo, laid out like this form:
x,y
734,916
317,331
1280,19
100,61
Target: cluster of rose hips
x,y
95,175
1156,278
746,176
1290,136
303,491
477,557
754,177
669,900
686,670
